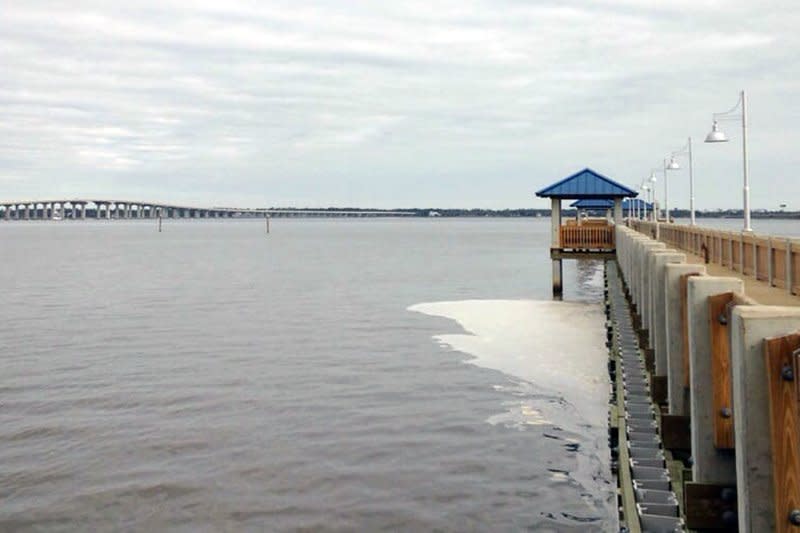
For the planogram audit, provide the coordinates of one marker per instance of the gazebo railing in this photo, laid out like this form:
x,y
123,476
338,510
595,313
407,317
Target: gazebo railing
x,y
589,237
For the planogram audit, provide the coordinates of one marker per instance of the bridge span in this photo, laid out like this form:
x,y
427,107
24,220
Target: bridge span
x,y
81,209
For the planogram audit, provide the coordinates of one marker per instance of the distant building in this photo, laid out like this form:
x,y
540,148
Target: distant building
x,y
434,214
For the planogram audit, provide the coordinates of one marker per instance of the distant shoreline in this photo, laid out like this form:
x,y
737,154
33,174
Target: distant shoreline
x,y
544,213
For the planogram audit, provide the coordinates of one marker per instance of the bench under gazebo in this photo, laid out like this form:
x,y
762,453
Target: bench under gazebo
x,y
591,238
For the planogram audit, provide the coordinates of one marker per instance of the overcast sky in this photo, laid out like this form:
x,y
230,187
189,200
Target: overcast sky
x,y
391,104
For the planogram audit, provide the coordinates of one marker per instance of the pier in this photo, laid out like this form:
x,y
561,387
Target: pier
x,y
583,238
120,209
703,331
704,338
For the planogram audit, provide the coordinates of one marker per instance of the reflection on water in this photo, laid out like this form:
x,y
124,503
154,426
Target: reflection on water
x,y
589,277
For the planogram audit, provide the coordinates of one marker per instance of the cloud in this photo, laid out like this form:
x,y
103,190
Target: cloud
x,y
475,102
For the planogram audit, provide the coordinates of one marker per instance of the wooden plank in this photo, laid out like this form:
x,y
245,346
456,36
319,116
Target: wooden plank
x,y
684,283
721,370
659,389
676,433
784,411
710,507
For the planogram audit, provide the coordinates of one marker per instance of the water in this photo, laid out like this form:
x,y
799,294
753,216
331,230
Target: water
x,y
213,378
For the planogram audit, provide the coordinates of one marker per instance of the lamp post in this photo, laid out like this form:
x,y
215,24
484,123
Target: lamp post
x,y
639,203
646,189
653,195
717,136
673,165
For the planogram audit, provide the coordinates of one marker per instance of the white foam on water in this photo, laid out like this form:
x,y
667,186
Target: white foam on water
x,y
557,346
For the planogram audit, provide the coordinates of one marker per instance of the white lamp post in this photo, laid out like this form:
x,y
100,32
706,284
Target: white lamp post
x,y
673,165
653,195
717,136
646,189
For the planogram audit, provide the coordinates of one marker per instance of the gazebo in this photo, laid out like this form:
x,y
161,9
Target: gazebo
x,y
631,206
577,239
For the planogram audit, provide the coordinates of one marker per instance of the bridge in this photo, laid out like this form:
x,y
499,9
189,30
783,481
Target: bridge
x,y
83,208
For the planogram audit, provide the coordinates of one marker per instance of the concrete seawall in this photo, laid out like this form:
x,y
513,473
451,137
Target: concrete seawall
x,y
727,418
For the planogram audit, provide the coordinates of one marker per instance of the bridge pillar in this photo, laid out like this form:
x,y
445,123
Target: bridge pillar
x,y
73,214
83,211
7,212
27,212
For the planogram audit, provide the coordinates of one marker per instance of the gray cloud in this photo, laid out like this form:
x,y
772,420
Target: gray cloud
x,y
451,103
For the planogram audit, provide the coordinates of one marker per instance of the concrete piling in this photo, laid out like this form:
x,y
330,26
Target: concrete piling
x,y
730,446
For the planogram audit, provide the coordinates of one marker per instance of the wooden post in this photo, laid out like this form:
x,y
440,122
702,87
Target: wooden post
x,y
789,273
555,229
750,326
710,466
755,258
782,356
719,318
730,252
770,260
267,219
741,253
159,222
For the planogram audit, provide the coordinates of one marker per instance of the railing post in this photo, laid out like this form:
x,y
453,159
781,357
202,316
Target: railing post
x,y
770,258
741,253
730,252
789,273
755,257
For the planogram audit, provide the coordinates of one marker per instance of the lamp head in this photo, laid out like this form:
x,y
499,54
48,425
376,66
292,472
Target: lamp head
x,y
673,164
715,135
653,177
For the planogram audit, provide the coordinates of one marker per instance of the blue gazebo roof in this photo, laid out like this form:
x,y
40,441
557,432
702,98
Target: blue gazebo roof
x,y
599,203
586,184
592,203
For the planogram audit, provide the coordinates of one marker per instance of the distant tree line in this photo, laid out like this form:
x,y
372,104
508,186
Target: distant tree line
x,y
513,213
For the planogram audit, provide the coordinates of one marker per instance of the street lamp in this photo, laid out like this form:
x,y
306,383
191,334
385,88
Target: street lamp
x,y
718,136
654,195
673,165
646,189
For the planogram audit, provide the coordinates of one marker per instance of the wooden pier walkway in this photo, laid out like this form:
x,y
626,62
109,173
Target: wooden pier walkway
x,y
718,335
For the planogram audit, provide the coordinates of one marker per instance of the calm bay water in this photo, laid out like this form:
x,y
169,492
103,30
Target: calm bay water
x,y
213,378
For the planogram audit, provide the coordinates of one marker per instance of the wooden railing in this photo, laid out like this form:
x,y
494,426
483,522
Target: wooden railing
x,y
591,237
771,259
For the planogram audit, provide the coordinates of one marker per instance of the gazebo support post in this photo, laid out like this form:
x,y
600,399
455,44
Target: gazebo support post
x,y
617,210
555,221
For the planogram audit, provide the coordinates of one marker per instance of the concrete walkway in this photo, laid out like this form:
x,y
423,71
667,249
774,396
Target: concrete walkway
x,y
759,291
